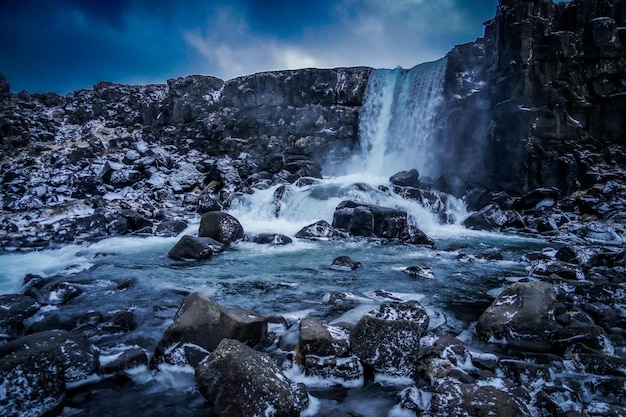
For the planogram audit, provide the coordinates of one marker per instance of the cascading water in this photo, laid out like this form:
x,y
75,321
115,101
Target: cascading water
x,y
397,130
398,120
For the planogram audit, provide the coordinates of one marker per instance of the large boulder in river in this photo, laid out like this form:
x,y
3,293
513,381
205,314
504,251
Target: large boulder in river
x,y
32,383
321,229
200,325
490,217
324,351
242,382
221,226
79,359
406,178
452,398
388,342
271,239
192,247
368,220
14,309
344,263
522,316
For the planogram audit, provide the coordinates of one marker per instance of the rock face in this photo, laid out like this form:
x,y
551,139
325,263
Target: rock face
x,y
242,382
545,93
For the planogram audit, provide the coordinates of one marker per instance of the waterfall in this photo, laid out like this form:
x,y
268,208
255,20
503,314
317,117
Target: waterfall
x,y
397,126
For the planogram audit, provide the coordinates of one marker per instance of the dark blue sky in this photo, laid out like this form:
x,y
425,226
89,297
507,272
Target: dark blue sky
x,y
65,45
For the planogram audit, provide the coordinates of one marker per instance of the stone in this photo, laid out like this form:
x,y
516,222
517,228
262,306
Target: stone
x,y
344,263
240,381
442,356
490,217
333,368
452,398
522,316
32,383
388,342
539,197
365,220
418,271
318,230
412,235
316,338
406,179
271,239
14,309
128,359
221,226
204,323
192,247
170,228
79,359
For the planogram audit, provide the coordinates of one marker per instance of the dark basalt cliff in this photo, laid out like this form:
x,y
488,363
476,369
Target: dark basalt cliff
x,y
313,110
541,99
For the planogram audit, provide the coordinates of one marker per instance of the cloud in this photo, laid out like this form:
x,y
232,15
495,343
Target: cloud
x,y
366,32
70,44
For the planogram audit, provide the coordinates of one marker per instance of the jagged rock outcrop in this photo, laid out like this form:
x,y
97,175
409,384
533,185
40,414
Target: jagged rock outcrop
x,y
543,94
192,145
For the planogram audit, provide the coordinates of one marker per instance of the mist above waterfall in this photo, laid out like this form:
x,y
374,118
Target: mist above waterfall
x,y
398,121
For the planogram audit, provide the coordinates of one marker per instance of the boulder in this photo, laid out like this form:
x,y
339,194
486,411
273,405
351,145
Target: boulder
x,y
344,263
316,338
321,229
412,235
221,226
539,197
32,383
201,324
368,220
477,198
452,398
522,316
442,356
128,359
14,309
192,247
418,271
490,217
406,179
170,228
271,239
79,359
388,342
241,382
323,351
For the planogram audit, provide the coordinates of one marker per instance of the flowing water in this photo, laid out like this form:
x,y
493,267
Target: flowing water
x,y
294,280
399,120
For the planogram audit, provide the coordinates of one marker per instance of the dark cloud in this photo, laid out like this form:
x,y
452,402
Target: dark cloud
x,y
65,45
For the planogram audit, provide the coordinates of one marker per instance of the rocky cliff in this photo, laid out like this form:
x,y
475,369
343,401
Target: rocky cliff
x,y
541,99
164,150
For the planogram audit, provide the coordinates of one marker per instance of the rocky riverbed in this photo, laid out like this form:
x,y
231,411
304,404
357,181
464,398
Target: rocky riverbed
x,y
176,249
